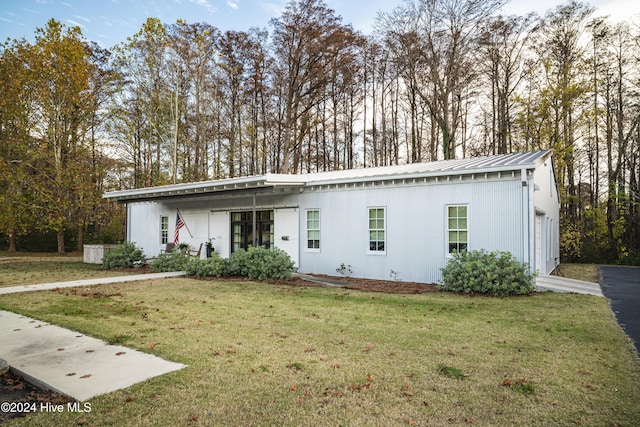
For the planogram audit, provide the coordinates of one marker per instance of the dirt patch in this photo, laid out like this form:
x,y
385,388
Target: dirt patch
x,y
24,398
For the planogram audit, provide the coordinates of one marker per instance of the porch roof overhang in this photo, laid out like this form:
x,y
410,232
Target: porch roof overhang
x,y
224,188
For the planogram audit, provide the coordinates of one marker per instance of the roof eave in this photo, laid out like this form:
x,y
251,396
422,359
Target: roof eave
x,y
200,189
422,175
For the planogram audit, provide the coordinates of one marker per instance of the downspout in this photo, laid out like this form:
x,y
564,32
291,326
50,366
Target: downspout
x,y
126,222
255,232
526,224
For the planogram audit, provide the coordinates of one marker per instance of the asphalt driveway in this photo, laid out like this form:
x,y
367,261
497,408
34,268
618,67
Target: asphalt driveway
x,y
622,286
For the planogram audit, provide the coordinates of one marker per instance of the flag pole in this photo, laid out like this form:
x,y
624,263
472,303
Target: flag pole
x,y
184,222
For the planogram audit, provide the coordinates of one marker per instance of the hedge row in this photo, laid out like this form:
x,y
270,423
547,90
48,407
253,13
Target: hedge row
x,y
256,263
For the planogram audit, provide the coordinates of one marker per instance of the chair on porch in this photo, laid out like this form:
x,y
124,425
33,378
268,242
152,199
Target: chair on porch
x,y
196,254
169,247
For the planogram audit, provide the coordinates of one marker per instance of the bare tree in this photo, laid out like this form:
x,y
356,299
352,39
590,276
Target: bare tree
x,y
503,46
563,62
307,37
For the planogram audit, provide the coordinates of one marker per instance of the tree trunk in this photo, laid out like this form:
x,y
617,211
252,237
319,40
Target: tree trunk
x,y
80,245
12,241
60,236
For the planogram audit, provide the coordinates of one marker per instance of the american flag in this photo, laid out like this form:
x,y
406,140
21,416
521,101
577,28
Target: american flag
x,y
179,225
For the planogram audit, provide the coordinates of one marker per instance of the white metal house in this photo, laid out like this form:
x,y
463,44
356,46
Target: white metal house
x,y
399,222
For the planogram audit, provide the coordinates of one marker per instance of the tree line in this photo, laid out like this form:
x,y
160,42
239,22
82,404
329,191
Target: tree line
x,y
436,79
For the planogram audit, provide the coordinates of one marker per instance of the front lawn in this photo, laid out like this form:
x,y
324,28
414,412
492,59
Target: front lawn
x,y
262,354
30,269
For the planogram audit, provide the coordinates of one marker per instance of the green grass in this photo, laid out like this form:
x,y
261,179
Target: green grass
x,y
262,354
30,270
586,272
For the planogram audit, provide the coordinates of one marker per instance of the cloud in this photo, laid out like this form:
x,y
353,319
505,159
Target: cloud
x,y
232,4
82,18
76,24
205,3
271,8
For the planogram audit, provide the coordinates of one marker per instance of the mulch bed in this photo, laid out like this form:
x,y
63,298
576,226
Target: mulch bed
x,y
365,285
370,285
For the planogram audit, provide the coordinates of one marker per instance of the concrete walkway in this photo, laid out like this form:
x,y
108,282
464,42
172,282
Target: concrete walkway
x,y
68,362
89,282
562,284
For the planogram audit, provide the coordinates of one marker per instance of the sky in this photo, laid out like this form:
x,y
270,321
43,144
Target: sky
x,y
109,22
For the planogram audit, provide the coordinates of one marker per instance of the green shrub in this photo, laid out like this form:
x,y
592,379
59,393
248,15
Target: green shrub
x,y
174,261
493,273
265,263
238,263
209,267
122,256
257,263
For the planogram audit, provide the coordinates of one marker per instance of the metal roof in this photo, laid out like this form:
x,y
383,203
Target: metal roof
x,y
472,165
495,163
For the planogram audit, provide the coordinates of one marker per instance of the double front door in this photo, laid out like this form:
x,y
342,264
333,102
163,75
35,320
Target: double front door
x,y
242,232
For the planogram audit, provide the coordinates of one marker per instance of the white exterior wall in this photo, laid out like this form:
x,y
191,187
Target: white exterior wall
x,y
416,226
286,232
143,226
547,211
220,231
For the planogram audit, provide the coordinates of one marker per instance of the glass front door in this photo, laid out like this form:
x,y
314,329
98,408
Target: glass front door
x,y
242,235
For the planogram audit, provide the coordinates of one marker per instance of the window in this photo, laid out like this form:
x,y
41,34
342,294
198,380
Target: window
x,y
376,230
457,228
313,229
242,230
164,229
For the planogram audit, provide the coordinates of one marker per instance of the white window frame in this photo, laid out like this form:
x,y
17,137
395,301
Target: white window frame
x,y
164,232
448,230
376,230
307,230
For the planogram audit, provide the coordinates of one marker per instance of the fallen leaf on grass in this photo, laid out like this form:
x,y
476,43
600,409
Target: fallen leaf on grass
x,y
368,348
507,382
406,389
129,398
